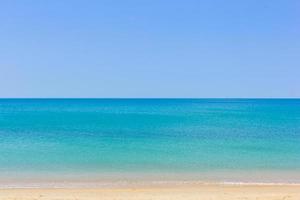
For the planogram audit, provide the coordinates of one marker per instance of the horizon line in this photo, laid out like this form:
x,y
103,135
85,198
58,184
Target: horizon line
x,y
149,98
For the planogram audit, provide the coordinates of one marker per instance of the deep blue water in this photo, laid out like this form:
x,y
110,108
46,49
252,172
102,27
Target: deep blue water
x,y
148,135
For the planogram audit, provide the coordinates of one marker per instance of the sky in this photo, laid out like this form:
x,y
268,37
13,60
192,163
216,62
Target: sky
x,y
150,48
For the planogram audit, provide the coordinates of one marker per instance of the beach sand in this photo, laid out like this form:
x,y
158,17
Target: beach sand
x,y
160,192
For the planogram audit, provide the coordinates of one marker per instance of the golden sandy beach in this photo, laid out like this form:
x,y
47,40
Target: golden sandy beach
x,y
166,192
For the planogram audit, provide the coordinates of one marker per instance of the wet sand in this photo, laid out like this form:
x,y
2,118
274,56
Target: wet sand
x,y
160,192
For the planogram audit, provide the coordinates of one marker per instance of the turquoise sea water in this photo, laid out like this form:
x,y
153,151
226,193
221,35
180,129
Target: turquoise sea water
x,y
107,136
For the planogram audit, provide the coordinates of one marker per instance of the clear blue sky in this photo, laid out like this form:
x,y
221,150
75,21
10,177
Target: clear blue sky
x,y
150,48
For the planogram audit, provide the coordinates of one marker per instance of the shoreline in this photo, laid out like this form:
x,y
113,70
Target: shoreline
x,y
113,180
136,184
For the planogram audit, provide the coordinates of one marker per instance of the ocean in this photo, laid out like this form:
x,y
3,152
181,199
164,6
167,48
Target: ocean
x,y
200,139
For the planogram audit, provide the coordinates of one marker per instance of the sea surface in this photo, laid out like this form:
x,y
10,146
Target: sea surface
x,y
201,139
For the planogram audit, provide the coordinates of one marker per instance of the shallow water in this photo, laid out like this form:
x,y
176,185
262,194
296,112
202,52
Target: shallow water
x,y
90,137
